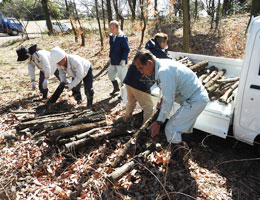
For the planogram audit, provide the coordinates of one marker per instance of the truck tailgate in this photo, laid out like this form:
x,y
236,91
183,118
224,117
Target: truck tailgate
x,y
217,116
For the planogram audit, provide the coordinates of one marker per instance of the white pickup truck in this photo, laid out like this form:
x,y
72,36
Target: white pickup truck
x,y
243,113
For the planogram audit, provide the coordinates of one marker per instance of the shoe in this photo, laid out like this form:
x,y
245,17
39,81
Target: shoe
x,y
115,89
178,152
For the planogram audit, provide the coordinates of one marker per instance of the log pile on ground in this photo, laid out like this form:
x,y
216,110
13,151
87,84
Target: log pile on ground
x,y
218,86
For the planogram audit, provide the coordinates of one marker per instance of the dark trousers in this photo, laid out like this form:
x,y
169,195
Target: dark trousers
x,y
88,86
41,79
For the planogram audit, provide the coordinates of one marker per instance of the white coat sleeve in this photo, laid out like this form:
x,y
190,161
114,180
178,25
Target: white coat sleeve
x,y
62,75
79,73
168,87
46,66
31,71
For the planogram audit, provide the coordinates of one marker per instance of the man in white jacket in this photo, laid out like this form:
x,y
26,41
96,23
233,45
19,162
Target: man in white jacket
x,y
178,84
79,69
41,59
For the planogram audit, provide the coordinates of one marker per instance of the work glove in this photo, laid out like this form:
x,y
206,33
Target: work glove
x,y
33,85
122,63
44,84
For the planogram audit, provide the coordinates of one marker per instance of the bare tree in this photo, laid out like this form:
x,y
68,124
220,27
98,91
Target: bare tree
x,y
155,8
71,22
99,26
103,15
81,29
186,26
144,21
196,10
132,5
115,3
47,15
218,15
109,11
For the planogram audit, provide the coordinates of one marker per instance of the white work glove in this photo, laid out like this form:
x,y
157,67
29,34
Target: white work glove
x,y
44,84
33,85
122,63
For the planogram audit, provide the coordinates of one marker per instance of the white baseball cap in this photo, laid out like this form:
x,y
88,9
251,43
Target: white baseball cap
x,y
57,54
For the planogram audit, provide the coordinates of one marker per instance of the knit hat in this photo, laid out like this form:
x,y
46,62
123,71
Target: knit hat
x,y
57,54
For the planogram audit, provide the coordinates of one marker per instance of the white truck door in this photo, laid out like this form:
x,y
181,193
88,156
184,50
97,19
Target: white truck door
x,y
250,107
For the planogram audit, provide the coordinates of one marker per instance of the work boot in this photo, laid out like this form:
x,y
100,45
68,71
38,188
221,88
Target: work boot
x,y
45,94
78,98
116,88
178,152
90,101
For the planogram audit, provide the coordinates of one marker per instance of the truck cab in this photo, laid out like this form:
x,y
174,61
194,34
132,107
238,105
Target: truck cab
x,y
242,115
10,25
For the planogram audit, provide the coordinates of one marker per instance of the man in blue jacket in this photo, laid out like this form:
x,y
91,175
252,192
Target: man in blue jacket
x,y
119,50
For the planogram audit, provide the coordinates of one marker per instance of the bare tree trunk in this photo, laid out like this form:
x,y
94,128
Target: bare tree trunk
x,y
132,5
115,3
99,26
155,8
47,15
109,11
144,21
217,15
71,21
81,29
186,26
212,13
196,10
103,15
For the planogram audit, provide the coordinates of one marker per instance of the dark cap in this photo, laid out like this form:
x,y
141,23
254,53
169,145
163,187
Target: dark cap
x,y
32,49
23,53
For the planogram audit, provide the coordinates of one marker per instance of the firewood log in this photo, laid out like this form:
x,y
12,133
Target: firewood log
x,y
72,130
119,172
228,92
210,76
92,139
228,80
212,88
214,79
199,66
82,135
134,139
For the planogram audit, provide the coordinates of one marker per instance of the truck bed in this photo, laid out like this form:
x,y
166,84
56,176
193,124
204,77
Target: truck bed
x,y
217,117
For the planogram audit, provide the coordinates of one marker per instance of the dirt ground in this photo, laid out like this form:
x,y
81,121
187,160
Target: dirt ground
x,y
215,168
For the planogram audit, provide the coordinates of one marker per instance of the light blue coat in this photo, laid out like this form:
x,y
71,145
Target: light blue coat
x,y
179,84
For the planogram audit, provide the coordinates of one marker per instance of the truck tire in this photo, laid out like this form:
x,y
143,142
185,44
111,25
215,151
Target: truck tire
x,y
14,32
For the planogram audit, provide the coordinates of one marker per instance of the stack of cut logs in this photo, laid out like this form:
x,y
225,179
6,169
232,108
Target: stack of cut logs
x,y
218,86
80,129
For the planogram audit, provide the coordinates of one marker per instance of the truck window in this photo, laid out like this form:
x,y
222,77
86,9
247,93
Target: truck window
x,y
259,71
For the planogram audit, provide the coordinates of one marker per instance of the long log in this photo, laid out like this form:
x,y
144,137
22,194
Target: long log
x,y
120,171
199,66
229,92
214,79
82,135
92,139
72,130
61,121
228,80
134,139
